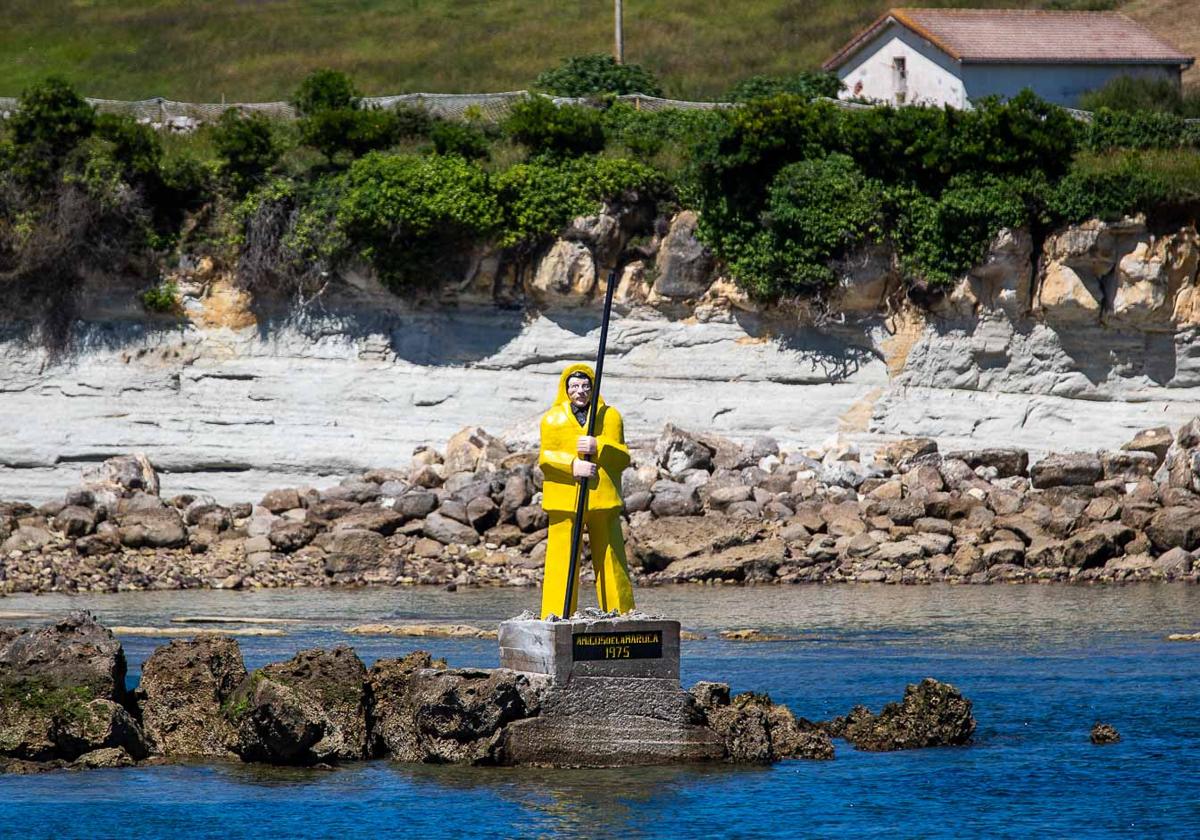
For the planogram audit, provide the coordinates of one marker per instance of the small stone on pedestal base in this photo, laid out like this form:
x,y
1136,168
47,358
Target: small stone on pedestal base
x,y
615,698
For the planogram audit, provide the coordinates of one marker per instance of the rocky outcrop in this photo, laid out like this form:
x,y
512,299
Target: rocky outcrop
x,y
437,715
698,507
932,714
755,730
185,697
62,694
323,707
311,709
1104,733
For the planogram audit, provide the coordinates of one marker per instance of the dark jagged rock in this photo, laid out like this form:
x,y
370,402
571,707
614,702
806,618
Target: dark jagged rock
x,y
932,714
1104,733
61,692
185,693
308,710
756,730
427,713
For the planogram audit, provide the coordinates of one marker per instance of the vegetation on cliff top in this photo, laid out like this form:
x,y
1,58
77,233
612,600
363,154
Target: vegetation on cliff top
x,y
784,184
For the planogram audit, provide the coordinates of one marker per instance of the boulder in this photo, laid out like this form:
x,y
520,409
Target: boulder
x,y
482,513
279,500
308,710
756,730
416,504
684,265
1075,469
424,712
1006,462
380,520
161,528
352,552
27,538
75,521
1157,441
1175,526
288,536
120,476
1175,562
61,692
678,451
186,691
754,562
472,449
565,275
1095,545
675,499
932,714
448,531
1104,733
1068,297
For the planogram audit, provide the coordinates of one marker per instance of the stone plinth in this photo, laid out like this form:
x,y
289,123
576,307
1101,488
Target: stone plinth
x,y
615,698
610,647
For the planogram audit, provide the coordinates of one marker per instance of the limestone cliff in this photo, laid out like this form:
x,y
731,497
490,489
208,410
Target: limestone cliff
x,y
1075,347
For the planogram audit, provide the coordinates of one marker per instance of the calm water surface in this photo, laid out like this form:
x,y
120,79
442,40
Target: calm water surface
x,y
1041,664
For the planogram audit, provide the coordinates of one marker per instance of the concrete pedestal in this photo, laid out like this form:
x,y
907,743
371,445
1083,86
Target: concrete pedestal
x,y
615,699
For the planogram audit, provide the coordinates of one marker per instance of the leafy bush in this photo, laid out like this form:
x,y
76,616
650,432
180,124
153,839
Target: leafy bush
x,y
325,90
50,121
584,75
807,85
462,139
355,132
412,121
647,134
1139,130
1130,93
135,146
548,129
409,216
246,147
941,238
537,199
160,298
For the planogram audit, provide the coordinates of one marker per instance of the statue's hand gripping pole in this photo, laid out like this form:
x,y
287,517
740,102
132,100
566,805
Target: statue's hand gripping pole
x,y
582,497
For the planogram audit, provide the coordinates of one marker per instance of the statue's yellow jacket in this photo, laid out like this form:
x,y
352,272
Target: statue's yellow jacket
x,y
560,434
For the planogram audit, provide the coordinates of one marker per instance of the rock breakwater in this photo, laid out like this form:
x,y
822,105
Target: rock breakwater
x,y
700,508
63,703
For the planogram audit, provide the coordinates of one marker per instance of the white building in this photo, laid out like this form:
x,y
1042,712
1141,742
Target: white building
x,y
956,56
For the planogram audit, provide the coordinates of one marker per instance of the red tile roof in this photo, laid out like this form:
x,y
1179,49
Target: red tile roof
x,y
993,36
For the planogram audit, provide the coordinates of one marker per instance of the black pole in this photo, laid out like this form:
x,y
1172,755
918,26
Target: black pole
x,y
581,505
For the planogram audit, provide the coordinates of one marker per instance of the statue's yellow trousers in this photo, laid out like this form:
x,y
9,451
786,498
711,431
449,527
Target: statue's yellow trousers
x,y
614,591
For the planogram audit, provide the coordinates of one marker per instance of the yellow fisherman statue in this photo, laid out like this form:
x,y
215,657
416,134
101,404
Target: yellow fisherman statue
x,y
565,452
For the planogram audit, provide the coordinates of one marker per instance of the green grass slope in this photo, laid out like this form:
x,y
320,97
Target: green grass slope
x,y
254,50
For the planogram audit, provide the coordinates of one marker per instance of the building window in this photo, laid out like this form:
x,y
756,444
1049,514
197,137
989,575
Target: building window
x,y
899,79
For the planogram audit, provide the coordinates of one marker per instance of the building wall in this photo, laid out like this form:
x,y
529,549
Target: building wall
x,y
1061,84
933,77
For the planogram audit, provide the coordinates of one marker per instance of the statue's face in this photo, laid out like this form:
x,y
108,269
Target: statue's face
x,y
579,392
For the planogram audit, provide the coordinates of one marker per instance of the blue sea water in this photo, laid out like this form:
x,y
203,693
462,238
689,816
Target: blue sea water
x,y
1040,663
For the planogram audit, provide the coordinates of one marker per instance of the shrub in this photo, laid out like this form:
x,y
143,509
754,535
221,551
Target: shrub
x,y
411,216
548,129
452,138
584,75
537,199
355,132
1139,130
50,121
412,121
325,90
135,146
807,85
160,298
1129,93
941,238
245,146
816,210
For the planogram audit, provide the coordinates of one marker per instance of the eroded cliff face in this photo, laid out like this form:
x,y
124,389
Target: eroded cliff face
x,y
1074,348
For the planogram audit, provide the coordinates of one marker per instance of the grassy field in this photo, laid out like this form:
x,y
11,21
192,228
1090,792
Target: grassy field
x,y
254,50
